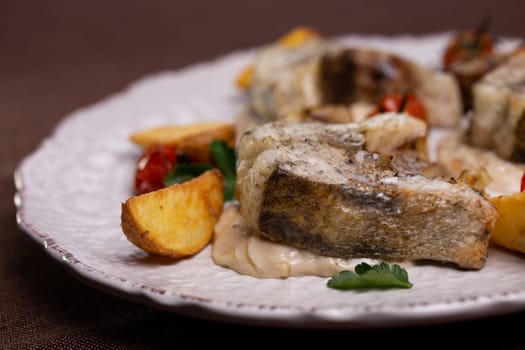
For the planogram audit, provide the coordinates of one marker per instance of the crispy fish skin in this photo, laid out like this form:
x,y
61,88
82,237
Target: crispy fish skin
x,y
348,202
384,221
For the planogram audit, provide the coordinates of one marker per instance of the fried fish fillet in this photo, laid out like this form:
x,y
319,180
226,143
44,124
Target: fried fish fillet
x,y
498,121
288,81
315,186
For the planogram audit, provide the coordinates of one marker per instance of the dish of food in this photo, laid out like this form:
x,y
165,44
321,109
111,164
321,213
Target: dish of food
x,y
71,189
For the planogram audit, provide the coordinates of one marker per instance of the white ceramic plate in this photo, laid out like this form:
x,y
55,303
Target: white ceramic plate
x,y
70,190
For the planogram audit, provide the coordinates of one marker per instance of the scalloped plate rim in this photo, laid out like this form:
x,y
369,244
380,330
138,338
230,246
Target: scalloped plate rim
x,y
253,313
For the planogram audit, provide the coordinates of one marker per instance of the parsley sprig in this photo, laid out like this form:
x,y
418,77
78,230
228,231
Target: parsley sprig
x,y
380,276
222,157
184,172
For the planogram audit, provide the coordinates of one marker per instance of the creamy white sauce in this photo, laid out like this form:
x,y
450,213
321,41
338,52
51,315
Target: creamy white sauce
x,y
236,246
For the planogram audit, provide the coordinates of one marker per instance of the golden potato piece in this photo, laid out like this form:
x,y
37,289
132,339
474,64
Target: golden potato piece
x,y
244,79
176,221
298,36
191,139
510,227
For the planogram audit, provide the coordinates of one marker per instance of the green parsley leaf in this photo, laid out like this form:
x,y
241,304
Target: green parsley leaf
x,y
184,172
473,45
229,187
380,276
224,157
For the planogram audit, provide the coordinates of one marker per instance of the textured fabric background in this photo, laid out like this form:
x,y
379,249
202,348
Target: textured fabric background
x,y
56,56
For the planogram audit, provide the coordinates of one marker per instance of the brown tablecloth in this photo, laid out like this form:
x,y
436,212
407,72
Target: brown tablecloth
x,y
56,56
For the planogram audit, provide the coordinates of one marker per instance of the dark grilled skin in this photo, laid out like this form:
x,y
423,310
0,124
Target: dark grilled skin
x,y
391,224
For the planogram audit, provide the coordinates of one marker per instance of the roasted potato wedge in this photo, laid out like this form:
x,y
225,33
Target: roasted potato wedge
x,y
510,227
176,221
192,139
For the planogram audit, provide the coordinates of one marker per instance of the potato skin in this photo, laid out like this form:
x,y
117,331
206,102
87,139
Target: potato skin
x,y
510,227
176,221
192,139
